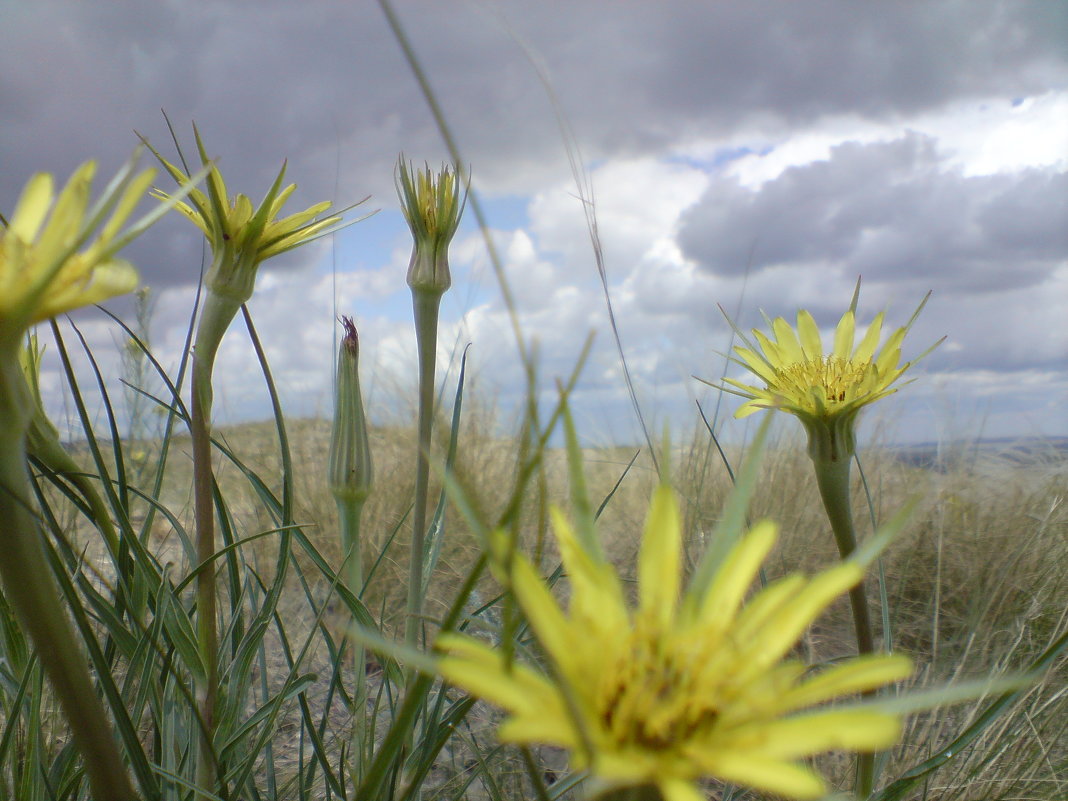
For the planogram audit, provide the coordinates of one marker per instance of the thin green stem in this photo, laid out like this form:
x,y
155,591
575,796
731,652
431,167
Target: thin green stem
x,y
832,476
31,591
426,306
349,512
204,516
215,318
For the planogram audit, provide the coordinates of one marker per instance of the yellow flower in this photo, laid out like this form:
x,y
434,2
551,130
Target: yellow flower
x,y
241,237
42,272
825,391
685,685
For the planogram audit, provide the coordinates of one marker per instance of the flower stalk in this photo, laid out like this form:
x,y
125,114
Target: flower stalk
x,y
432,205
241,237
832,478
827,392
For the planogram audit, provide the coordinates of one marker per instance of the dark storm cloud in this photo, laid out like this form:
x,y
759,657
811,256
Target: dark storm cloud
x,y
642,75
892,212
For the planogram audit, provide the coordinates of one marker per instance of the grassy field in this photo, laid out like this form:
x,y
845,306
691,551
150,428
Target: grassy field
x,y
976,585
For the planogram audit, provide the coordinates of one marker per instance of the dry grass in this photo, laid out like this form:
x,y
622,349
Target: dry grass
x,y
977,584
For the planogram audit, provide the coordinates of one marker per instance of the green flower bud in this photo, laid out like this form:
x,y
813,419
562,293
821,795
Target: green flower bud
x,y
432,205
351,471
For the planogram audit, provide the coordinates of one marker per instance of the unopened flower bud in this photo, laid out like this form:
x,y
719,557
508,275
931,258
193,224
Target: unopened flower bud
x,y
351,471
432,205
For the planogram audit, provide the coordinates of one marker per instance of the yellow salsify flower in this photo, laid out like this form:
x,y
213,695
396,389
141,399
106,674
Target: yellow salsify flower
x,y
242,237
825,391
42,272
685,685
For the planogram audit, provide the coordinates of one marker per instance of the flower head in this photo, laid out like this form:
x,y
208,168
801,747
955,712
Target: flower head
x,y
242,237
684,685
43,269
432,205
825,391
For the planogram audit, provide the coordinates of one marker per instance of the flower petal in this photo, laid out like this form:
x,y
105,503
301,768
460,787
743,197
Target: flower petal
x,y
843,337
134,194
765,773
32,208
482,671
539,728
658,562
856,675
596,595
830,730
61,232
85,287
757,364
550,625
870,341
789,346
777,357
809,334
736,574
784,626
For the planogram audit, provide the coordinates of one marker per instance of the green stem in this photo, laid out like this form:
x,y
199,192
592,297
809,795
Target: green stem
x,y
215,318
426,305
204,521
31,591
349,511
832,477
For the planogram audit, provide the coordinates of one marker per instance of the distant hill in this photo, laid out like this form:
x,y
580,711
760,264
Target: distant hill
x,y
1029,450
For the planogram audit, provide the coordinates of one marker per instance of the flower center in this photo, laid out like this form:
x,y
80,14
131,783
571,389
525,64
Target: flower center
x,y
649,697
837,377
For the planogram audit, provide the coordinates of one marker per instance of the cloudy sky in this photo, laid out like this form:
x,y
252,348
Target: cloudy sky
x,y
756,155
